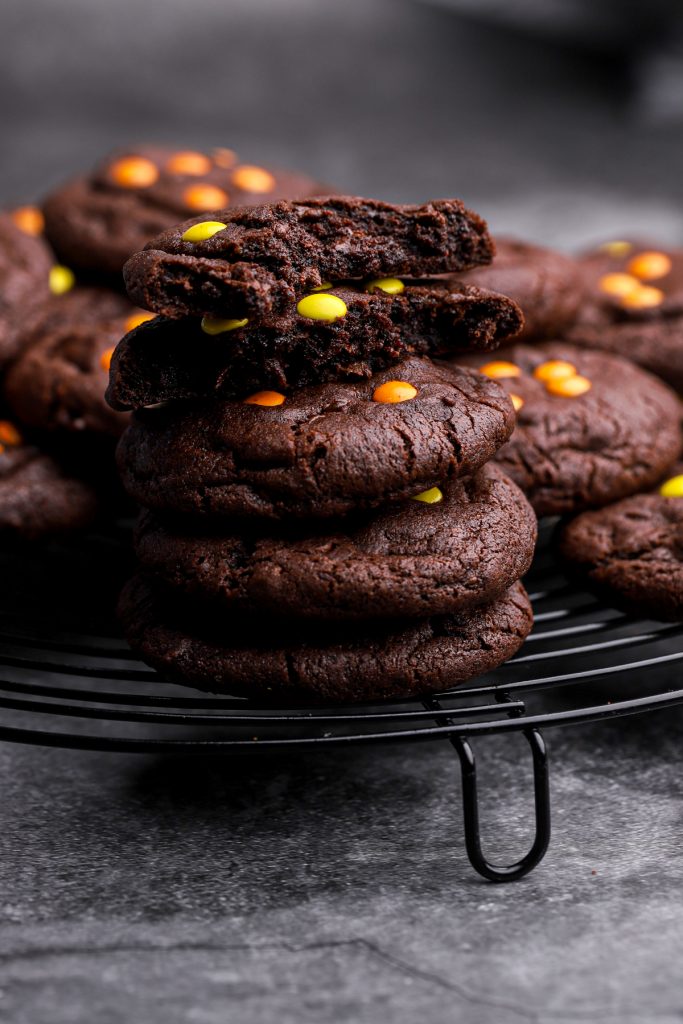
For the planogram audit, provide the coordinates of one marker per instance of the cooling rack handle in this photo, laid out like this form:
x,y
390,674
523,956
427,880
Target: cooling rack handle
x,y
470,799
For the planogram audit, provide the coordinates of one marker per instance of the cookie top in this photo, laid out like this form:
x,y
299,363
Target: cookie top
x,y
57,383
25,263
190,358
259,660
97,221
546,284
634,305
458,546
37,497
260,260
319,451
633,550
591,428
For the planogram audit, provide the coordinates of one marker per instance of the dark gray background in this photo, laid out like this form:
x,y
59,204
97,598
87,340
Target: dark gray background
x,y
335,888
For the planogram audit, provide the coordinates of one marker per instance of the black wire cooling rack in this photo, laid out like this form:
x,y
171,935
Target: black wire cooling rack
x,y
68,680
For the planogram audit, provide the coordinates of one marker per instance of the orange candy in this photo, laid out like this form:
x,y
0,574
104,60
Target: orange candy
x,y
188,162
28,219
618,284
253,179
499,369
205,197
135,319
134,172
644,297
105,358
9,433
569,387
267,398
394,391
648,266
517,402
554,369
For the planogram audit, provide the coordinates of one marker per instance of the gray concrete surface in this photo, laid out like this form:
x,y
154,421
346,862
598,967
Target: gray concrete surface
x,y
335,888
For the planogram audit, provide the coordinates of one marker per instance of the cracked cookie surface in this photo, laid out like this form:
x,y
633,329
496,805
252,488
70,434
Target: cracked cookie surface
x,y
414,560
321,451
387,660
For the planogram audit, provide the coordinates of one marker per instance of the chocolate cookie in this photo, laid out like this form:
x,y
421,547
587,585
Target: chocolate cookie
x,y
460,546
251,262
546,284
320,451
187,358
97,221
37,497
57,383
591,428
259,659
634,306
25,263
633,550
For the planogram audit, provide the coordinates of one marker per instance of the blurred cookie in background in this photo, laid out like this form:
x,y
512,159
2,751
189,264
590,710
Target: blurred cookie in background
x,y
633,550
545,283
56,385
634,305
96,221
38,497
26,272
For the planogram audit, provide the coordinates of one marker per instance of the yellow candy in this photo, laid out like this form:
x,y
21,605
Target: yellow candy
x,y
499,368
616,249
554,369
619,284
430,497
517,402
327,308
266,398
324,287
643,297
393,391
672,488
253,179
135,319
214,326
61,279
648,266
568,387
200,232
390,285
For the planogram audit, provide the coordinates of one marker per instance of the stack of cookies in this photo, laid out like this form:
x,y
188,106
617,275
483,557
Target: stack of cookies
x,y
322,519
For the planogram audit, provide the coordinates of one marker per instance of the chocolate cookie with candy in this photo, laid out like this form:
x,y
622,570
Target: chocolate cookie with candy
x,y
261,260
633,550
320,451
546,284
56,386
591,427
38,498
26,273
96,221
343,333
446,550
634,306
257,658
